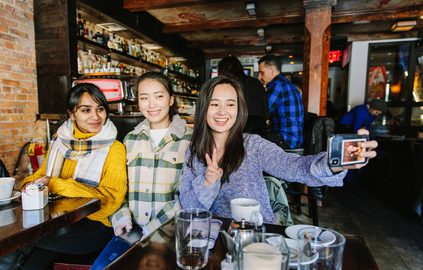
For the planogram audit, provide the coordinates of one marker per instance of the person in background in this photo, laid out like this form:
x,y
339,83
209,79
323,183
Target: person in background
x,y
255,94
285,104
84,161
155,156
362,116
222,163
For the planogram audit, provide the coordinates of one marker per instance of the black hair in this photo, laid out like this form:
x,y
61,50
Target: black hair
x,y
75,93
165,81
202,141
271,60
230,66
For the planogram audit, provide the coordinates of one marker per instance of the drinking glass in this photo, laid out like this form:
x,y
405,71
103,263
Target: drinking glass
x,y
192,238
320,249
263,251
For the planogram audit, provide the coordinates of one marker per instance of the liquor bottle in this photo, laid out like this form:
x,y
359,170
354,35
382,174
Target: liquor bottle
x,y
80,26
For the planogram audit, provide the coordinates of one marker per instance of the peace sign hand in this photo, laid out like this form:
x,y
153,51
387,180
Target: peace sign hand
x,y
213,171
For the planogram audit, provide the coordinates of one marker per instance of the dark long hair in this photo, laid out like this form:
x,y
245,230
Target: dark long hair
x,y
163,80
230,66
75,93
202,139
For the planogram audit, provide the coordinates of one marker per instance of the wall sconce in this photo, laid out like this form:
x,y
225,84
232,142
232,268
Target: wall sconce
x,y
260,32
251,8
403,26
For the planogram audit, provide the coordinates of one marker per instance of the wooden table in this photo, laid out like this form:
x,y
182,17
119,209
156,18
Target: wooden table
x,y
20,227
161,252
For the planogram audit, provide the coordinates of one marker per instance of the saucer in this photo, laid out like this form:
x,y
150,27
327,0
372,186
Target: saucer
x,y
15,194
292,231
326,237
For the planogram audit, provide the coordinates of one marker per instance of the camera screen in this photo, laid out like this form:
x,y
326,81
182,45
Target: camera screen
x,y
351,150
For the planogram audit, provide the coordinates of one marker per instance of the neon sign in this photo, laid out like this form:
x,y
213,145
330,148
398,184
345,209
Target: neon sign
x,y
335,56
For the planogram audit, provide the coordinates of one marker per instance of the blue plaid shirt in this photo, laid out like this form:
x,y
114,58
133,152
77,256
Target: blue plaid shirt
x,y
286,110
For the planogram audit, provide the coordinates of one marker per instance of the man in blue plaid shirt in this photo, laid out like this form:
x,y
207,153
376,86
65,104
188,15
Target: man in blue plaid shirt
x,y
285,104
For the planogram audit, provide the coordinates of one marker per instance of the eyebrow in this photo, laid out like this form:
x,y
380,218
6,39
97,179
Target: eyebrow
x,y
89,106
230,99
157,92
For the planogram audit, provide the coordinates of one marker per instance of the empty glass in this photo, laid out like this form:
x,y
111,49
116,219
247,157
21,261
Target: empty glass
x,y
192,238
320,249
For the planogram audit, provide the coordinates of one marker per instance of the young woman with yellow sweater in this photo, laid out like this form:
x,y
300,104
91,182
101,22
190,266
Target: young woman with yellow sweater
x,y
84,160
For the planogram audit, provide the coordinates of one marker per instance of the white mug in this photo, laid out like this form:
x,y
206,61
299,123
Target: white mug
x,y
244,208
6,187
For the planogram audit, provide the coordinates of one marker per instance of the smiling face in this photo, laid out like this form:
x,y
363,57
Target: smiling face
x,y
223,109
89,116
154,102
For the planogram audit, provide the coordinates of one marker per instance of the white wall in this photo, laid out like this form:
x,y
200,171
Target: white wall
x,y
357,78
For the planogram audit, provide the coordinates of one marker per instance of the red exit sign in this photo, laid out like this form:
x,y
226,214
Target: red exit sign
x,y
335,56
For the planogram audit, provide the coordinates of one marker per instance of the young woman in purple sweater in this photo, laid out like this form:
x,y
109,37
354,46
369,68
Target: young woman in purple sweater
x,y
222,163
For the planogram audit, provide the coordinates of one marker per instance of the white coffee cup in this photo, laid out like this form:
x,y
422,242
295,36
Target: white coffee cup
x,y
6,187
244,208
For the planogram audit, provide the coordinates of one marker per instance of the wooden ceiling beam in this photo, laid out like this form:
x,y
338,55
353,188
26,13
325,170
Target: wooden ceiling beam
x,y
298,17
143,5
377,15
295,17
273,40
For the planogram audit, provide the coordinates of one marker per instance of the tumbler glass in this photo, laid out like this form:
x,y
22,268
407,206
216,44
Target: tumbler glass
x,y
192,238
320,249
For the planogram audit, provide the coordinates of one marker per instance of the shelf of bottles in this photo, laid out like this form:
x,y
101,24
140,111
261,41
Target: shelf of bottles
x,y
105,53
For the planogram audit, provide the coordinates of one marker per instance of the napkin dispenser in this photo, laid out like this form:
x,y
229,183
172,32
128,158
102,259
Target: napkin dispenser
x,y
34,197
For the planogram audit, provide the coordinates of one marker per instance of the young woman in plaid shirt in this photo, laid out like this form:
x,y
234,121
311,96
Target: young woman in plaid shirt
x,y
224,164
155,157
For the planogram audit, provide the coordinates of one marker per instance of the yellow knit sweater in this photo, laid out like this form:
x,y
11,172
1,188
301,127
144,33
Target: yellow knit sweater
x,y
111,189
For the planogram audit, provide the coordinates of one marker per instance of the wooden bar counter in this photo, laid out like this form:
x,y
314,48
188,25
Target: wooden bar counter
x,y
19,227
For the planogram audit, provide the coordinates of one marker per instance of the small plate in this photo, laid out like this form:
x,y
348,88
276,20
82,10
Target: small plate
x,y
292,231
15,194
293,254
326,237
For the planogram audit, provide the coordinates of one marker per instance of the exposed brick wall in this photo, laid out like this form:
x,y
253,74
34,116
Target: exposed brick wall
x,y
18,82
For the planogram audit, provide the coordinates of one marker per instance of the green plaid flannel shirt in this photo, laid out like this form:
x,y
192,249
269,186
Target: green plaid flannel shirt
x,y
154,175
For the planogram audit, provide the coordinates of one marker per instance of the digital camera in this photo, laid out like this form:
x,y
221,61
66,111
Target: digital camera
x,y
345,149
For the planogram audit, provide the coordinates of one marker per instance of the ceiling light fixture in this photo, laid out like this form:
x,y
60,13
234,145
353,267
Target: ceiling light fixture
x,y
251,8
361,22
403,26
260,32
268,48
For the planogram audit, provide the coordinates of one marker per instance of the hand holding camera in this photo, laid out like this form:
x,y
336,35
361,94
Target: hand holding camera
x,y
350,151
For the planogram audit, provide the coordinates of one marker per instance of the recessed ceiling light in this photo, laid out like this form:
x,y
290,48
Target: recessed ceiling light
x,y
361,22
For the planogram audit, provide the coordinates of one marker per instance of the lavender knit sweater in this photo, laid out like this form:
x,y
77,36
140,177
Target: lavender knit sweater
x,y
247,181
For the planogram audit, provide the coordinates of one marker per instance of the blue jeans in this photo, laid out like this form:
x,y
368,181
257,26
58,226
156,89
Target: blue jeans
x,y
115,248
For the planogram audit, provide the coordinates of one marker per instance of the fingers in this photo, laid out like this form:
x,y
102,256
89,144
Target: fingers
x,y
369,144
208,160
362,131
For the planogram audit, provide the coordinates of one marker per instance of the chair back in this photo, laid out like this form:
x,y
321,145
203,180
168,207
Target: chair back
x,y
278,201
318,134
